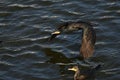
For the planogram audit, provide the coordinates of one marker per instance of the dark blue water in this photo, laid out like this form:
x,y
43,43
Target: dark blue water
x,y
25,26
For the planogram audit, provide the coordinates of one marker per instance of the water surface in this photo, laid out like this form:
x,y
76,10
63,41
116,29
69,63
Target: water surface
x,y
25,26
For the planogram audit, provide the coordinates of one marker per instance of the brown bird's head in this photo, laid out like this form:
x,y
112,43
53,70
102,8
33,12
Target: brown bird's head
x,y
65,27
78,75
84,74
54,34
74,68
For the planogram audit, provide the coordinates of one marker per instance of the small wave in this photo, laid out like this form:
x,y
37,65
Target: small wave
x,y
4,14
26,54
6,63
46,16
106,17
65,64
76,13
8,55
111,71
53,0
33,39
3,24
111,3
23,6
102,43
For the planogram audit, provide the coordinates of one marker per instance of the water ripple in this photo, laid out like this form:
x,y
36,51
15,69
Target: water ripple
x,y
6,63
25,26
24,6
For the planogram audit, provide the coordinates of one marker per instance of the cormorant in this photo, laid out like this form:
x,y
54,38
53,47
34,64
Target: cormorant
x,y
88,36
84,74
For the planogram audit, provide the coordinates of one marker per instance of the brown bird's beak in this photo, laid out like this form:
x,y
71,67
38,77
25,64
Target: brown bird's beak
x,y
54,34
72,69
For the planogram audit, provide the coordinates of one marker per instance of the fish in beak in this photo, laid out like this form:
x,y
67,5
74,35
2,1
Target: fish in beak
x,y
54,34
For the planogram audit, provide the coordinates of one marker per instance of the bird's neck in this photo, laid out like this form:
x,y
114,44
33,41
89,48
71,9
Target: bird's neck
x,y
77,74
88,41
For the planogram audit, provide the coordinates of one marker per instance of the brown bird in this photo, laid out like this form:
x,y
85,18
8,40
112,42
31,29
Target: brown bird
x,y
88,36
84,74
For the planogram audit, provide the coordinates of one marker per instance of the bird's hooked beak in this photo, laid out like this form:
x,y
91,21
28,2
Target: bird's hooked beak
x,y
72,69
54,34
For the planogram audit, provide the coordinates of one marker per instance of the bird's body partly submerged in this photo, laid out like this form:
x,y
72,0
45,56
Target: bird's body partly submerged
x,y
84,74
88,36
